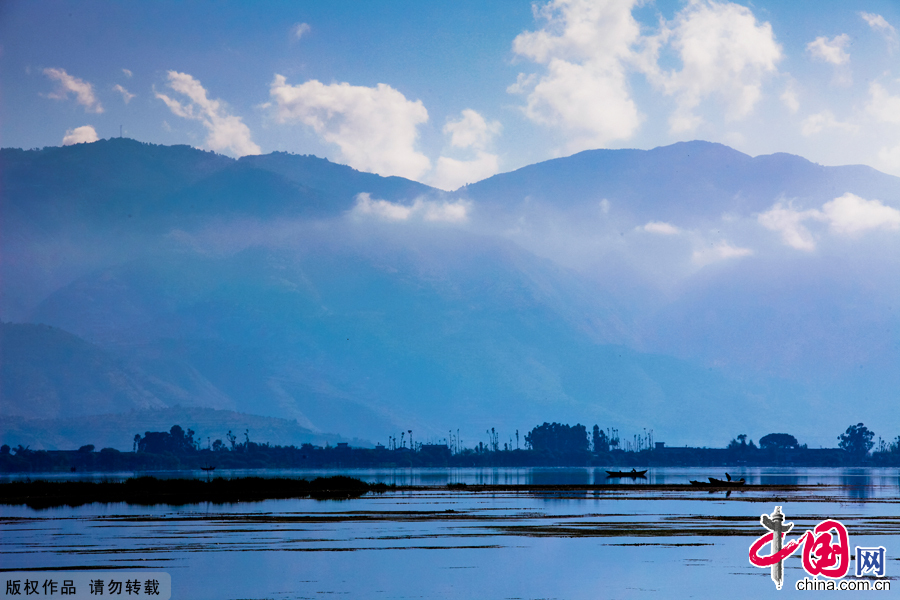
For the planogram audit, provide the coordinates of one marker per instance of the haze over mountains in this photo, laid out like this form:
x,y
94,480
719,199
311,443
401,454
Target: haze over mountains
x,y
690,289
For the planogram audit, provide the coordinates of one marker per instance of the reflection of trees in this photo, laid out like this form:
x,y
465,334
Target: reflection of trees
x,y
857,483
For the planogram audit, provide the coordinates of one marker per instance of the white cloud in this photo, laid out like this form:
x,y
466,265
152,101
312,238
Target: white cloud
x,y
831,51
890,158
446,212
789,223
584,90
127,72
819,122
84,91
721,250
846,215
882,105
849,215
382,209
80,135
789,97
450,173
227,133
471,130
126,95
589,49
880,24
427,210
299,30
375,127
661,228
724,52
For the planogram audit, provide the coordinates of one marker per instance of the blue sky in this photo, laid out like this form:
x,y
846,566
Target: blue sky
x,y
449,93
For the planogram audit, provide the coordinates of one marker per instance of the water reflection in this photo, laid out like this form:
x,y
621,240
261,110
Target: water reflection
x,y
866,482
857,482
561,477
610,541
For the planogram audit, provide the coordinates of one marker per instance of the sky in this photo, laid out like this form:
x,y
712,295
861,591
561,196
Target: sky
x,y
449,93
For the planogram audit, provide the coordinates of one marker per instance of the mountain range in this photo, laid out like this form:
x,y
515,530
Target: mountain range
x,y
689,289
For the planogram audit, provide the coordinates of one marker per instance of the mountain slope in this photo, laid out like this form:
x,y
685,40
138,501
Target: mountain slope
x,y
680,182
691,289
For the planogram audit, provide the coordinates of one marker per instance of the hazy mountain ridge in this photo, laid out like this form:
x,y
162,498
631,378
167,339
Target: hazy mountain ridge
x,y
681,181
255,285
117,430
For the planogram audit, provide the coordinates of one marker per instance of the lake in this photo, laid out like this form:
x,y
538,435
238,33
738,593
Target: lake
x,y
437,543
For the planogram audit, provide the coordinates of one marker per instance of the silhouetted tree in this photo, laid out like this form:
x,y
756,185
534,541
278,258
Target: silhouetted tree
x,y
175,441
740,443
599,441
778,441
555,437
857,440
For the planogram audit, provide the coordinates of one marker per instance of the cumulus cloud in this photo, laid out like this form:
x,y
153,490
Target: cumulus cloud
x,y
299,30
227,133
589,49
584,47
83,91
376,128
789,223
847,215
126,95
725,53
819,122
885,108
831,51
127,72
471,130
880,24
427,210
890,157
850,215
661,228
450,173
80,135
882,105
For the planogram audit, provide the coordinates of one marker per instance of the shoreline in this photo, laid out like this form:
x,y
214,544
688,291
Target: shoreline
x,y
176,492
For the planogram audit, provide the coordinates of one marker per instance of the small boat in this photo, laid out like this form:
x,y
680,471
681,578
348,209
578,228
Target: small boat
x,y
631,473
207,468
723,483
713,482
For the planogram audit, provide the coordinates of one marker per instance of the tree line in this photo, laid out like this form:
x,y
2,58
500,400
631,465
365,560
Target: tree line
x,y
548,444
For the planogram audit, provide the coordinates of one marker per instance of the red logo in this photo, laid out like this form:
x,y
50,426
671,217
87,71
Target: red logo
x,y
822,554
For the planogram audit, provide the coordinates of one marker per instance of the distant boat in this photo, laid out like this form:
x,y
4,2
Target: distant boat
x,y
713,482
723,483
208,468
631,473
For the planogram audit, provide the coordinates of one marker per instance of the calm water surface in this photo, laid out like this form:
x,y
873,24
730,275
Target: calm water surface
x,y
441,544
